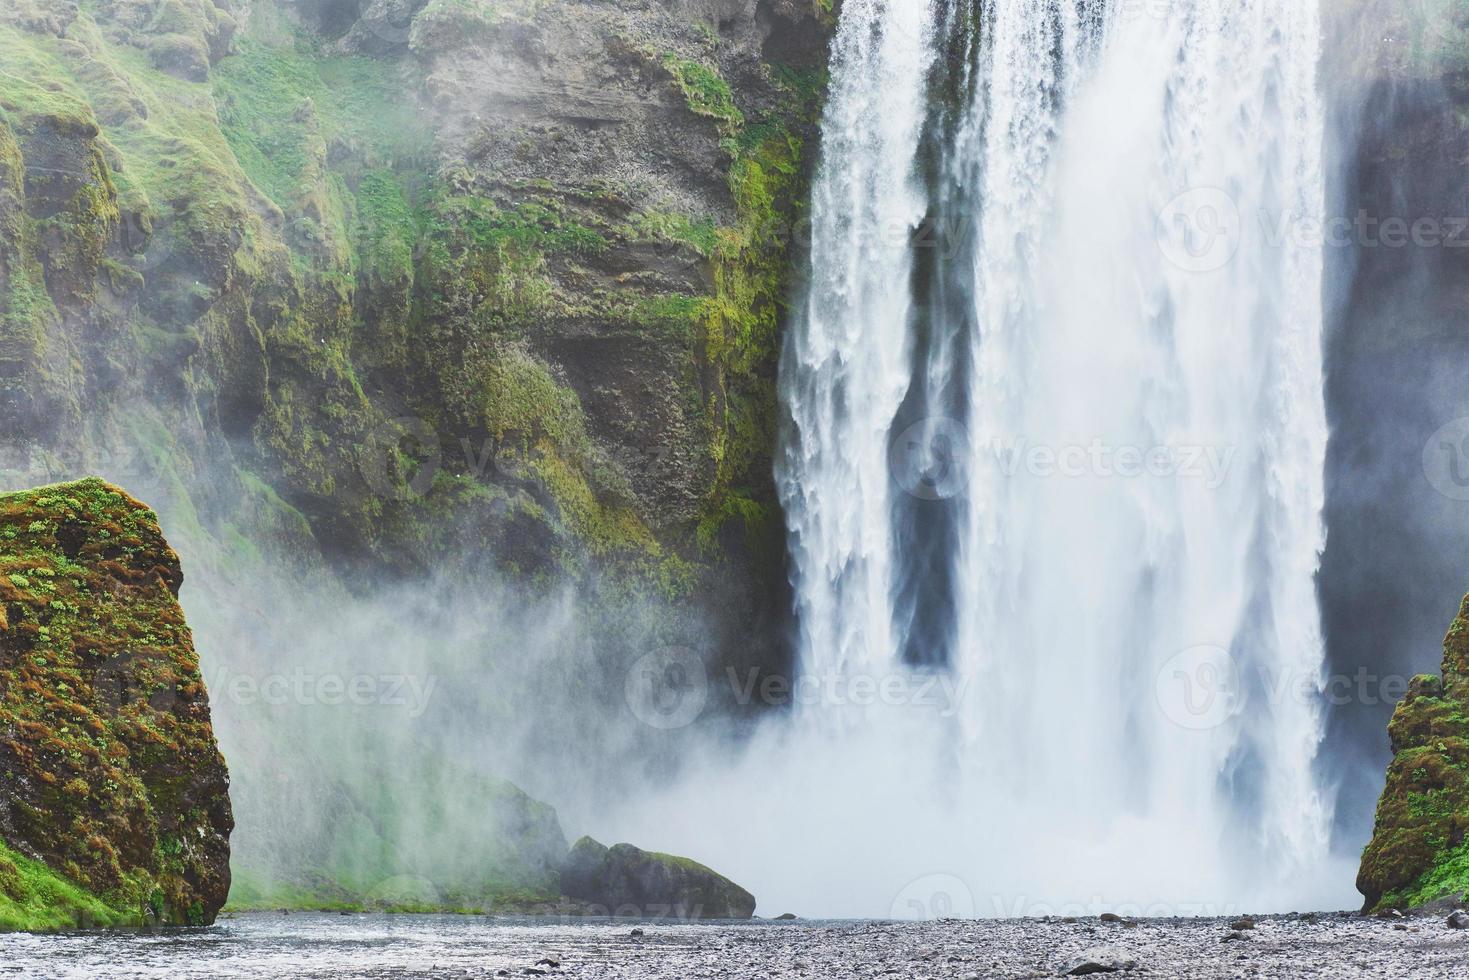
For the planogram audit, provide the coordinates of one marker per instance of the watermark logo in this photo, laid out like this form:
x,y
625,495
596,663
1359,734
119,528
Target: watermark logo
x,y
1200,230
390,21
1446,460
400,458
935,896
929,459
1203,229
127,680
1206,686
668,688
1199,688
301,688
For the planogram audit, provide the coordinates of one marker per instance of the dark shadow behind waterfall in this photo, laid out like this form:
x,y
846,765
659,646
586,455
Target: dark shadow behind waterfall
x,y
1397,558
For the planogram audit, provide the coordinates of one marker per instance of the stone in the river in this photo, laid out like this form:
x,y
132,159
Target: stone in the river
x,y
627,881
1241,924
1458,919
785,917
1099,959
1110,917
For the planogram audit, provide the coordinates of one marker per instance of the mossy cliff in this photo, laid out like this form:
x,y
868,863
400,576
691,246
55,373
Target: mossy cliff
x,y
364,295
1419,851
114,803
411,278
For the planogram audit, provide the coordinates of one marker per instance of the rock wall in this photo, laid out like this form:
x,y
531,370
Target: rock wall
x,y
408,280
109,774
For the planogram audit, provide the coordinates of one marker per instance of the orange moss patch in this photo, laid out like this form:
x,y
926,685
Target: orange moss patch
x,y
108,762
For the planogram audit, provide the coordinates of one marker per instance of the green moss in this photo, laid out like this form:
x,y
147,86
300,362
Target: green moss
x,y
1418,849
1448,878
102,696
33,898
768,177
524,403
281,105
701,234
706,92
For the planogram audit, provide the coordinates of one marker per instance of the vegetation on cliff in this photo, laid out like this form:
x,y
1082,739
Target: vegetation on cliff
x,y
1419,851
248,206
491,285
114,799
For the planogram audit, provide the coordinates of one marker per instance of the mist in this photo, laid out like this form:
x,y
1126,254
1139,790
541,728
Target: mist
x,y
1397,557
432,729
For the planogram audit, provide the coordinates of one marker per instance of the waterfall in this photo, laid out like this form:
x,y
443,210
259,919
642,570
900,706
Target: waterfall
x,y
1056,430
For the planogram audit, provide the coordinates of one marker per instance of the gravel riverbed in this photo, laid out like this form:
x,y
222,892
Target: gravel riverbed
x,y
273,945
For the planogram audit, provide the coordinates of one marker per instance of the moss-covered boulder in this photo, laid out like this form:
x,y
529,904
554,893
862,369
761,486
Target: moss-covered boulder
x,y
623,880
1419,852
114,799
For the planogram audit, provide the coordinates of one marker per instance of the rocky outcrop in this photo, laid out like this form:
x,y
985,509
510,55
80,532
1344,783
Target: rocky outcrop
x,y
1419,851
114,801
625,881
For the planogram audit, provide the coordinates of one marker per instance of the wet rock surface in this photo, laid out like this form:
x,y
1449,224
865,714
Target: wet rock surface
x,y
627,881
1334,945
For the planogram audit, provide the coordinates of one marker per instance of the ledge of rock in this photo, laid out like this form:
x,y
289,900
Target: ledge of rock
x,y
114,798
629,882
1419,853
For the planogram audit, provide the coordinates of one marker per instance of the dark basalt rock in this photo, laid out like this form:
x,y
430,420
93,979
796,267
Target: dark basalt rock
x,y
629,882
1099,959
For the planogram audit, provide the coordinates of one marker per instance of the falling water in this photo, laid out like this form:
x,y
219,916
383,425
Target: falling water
x,y
1056,427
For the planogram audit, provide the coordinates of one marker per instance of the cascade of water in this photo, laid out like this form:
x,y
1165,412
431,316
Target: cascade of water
x,y
848,362
1108,394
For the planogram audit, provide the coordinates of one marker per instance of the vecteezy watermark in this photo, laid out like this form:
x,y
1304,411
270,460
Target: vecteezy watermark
x,y
1199,688
670,689
400,458
1202,229
389,20
929,459
935,896
1203,687
1209,464
409,692
937,690
133,678
1446,460
933,460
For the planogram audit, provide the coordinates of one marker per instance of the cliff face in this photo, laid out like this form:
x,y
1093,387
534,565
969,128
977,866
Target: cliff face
x,y
410,278
109,774
395,291
1420,846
